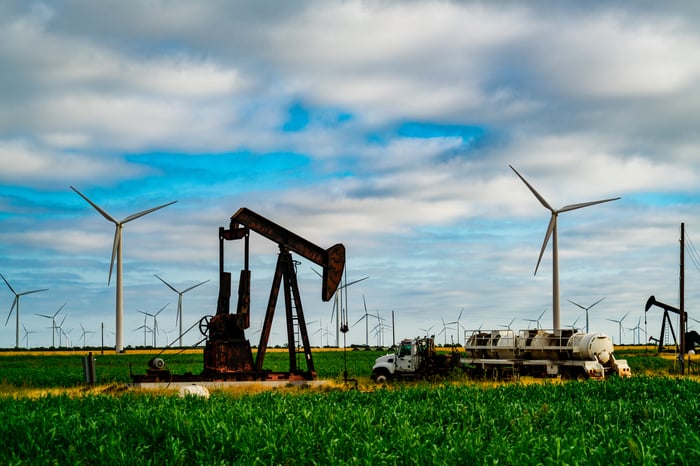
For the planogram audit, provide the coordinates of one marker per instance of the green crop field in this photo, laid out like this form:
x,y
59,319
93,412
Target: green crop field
x,y
648,419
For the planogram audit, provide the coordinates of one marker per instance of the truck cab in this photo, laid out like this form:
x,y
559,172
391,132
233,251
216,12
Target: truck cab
x,y
409,360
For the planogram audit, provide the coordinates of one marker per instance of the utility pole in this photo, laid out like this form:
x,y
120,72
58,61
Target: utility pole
x,y
682,298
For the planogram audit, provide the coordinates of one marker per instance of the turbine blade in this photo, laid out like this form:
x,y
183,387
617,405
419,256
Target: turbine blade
x,y
97,208
161,310
595,303
59,310
33,291
12,309
550,228
195,286
145,212
359,320
537,195
576,304
353,282
8,284
166,284
585,204
115,246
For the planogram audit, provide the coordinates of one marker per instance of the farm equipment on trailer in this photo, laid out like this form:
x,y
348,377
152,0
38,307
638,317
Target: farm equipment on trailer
x,y
228,355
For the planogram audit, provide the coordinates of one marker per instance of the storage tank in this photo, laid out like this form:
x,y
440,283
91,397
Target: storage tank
x,y
504,342
538,344
588,346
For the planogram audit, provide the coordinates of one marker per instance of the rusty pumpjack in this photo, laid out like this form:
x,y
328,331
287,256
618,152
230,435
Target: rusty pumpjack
x,y
228,355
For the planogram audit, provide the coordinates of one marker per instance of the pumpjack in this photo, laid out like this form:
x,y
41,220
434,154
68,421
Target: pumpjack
x,y
228,355
689,340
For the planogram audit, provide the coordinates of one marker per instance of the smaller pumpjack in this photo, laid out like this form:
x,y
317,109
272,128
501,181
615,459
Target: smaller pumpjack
x,y
688,339
228,354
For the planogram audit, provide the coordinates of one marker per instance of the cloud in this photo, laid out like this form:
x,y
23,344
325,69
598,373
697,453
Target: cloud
x,y
28,164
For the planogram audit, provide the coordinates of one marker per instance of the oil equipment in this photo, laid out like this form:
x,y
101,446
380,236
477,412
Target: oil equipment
x,y
228,355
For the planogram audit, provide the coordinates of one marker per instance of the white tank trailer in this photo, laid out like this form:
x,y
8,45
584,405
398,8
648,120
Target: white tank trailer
x,y
538,352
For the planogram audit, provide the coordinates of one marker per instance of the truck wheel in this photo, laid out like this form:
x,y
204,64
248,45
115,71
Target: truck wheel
x,y
380,377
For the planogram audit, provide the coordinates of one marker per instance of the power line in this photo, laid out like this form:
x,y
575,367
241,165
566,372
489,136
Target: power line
x,y
692,251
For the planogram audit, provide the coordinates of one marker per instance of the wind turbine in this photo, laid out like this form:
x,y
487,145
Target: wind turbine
x,y
619,324
146,329
586,309
53,324
178,318
15,302
509,324
552,231
638,329
338,304
59,330
84,334
365,316
536,321
443,330
573,326
117,252
459,324
155,322
26,335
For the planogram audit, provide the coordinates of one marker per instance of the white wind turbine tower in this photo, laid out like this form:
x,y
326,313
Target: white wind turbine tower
x,y
552,231
179,303
15,302
117,251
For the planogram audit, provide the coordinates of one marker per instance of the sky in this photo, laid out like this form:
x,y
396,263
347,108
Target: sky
x,y
387,126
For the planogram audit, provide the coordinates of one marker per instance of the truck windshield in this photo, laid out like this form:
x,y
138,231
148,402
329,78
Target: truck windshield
x,y
405,349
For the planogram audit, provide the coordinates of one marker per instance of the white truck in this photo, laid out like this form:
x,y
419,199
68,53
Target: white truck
x,y
414,359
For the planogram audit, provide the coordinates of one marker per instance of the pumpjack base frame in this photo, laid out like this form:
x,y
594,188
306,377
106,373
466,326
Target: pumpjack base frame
x,y
166,377
222,384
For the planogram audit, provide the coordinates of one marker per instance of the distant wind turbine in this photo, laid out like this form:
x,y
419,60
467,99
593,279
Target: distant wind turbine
x,y
155,322
26,335
15,302
84,334
509,324
552,231
178,318
117,252
586,309
365,316
619,324
536,321
53,324
459,324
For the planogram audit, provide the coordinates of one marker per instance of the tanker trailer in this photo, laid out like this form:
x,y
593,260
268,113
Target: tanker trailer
x,y
538,352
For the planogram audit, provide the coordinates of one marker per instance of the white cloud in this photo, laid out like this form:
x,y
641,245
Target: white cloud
x,y
34,165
